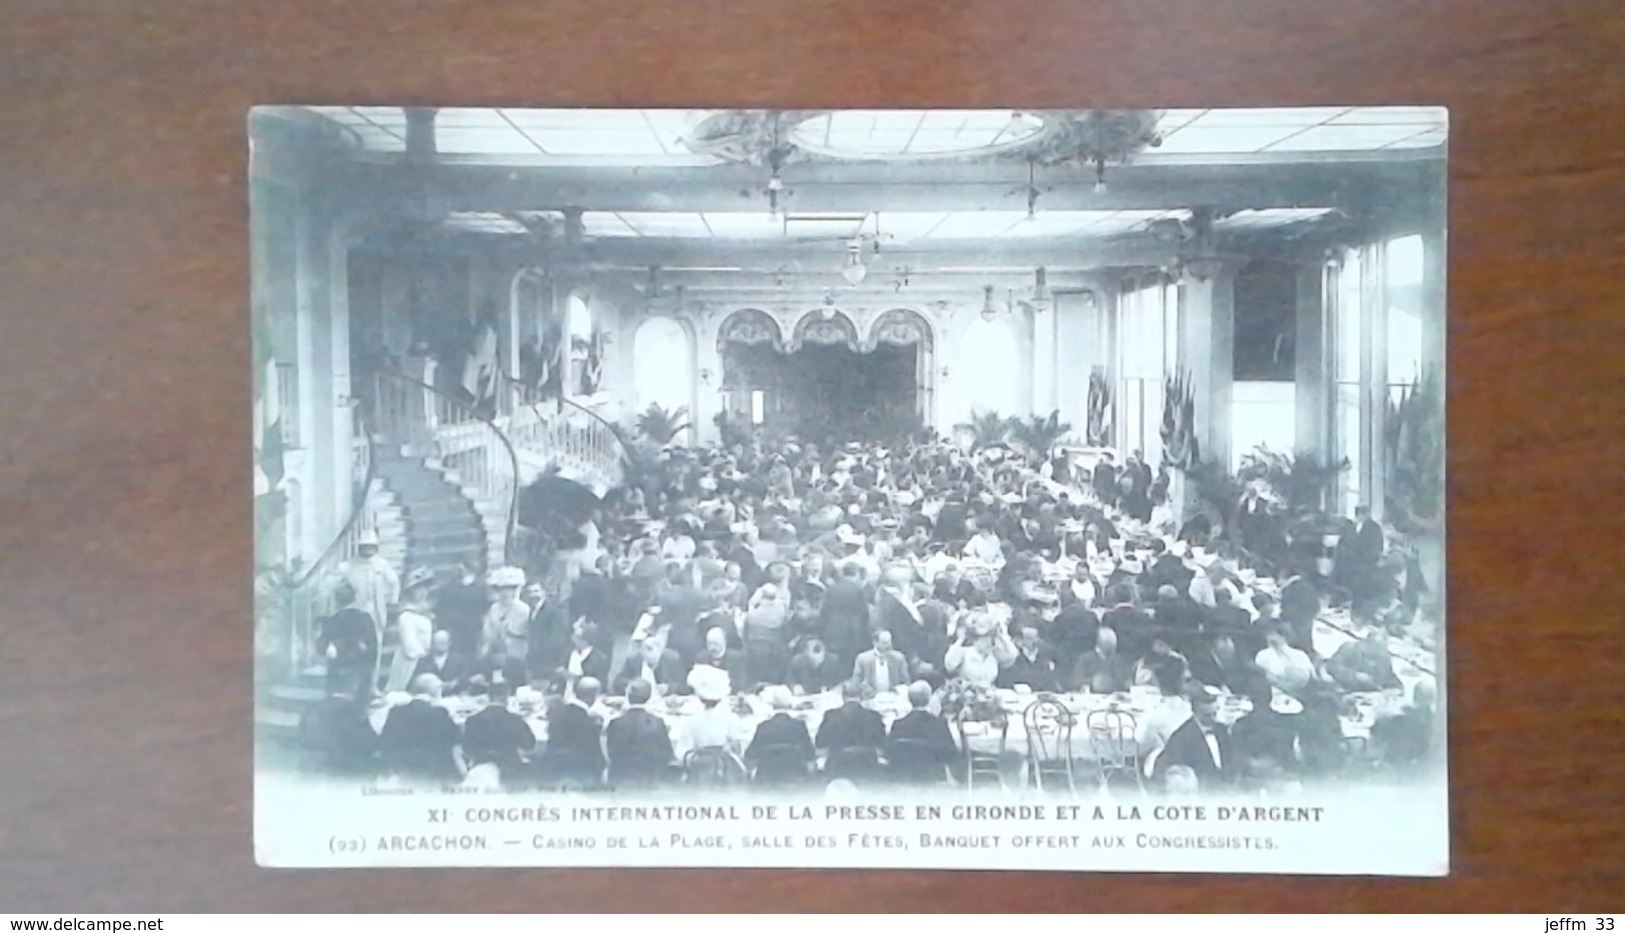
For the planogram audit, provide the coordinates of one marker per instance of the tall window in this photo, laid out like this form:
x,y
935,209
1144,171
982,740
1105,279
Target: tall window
x,y
1147,350
1402,294
1348,344
1376,303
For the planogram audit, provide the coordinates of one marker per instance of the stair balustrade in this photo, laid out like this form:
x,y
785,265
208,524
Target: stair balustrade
x,y
464,436
289,601
565,433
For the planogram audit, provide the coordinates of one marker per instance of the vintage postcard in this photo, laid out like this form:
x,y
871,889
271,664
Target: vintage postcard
x,y
1033,489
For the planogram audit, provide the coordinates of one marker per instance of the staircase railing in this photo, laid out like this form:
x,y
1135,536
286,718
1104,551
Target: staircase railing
x,y
558,425
463,435
300,594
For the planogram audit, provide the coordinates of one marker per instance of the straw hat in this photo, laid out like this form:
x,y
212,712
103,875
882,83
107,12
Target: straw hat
x,y
709,683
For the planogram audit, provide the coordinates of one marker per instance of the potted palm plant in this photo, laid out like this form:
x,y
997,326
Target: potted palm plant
x,y
1039,435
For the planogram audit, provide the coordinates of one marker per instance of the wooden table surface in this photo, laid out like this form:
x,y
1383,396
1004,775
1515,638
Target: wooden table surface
x,y
125,708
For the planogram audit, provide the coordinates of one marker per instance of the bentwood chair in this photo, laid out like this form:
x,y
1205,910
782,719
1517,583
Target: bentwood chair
x,y
714,767
780,766
1114,746
858,764
1049,743
982,767
915,762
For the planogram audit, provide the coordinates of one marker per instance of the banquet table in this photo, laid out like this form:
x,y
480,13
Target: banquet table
x,y
1411,663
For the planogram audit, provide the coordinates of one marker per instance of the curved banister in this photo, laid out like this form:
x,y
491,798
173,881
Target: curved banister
x,y
474,414
357,509
528,396
299,613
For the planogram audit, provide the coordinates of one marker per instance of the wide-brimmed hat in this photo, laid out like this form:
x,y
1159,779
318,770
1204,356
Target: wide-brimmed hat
x,y
709,683
368,538
507,576
846,535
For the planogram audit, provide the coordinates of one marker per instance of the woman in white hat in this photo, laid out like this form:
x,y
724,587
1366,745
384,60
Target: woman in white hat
x,y
507,622
415,628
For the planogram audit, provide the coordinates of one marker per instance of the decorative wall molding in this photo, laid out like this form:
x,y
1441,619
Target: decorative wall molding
x,y
750,327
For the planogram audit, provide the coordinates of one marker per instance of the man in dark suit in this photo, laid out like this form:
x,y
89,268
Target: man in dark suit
x,y
897,612
495,735
586,658
1178,618
454,670
460,609
921,738
1034,664
1200,744
1218,664
851,725
1104,669
845,616
574,748
653,662
1133,625
349,641
813,671
419,741
781,742
1359,553
638,741
719,654
1104,480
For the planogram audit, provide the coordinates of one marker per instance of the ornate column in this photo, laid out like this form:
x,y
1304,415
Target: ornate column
x,y
1207,351
1312,398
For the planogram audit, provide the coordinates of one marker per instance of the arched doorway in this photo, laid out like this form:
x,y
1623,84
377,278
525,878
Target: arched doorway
x,y
911,332
662,365
750,344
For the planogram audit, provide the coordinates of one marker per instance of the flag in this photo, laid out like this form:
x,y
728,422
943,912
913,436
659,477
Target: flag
x,y
268,469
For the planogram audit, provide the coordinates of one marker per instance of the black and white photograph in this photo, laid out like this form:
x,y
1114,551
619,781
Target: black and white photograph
x,y
1031,489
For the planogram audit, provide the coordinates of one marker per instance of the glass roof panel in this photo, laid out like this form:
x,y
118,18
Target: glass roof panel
x,y
1332,138
974,224
883,133
503,141
751,224
1196,139
604,223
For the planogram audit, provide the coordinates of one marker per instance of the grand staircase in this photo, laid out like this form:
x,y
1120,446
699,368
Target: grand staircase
x,y
440,491
443,528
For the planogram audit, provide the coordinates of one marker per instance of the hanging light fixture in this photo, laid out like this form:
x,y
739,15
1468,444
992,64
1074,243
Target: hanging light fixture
x,y
853,270
1040,284
989,312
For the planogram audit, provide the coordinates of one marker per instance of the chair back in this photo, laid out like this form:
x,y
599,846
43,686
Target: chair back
x,y
713,767
1049,730
857,764
1112,739
982,766
914,761
780,764
568,768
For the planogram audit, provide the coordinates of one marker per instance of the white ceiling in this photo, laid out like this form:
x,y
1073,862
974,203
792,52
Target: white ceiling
x,y
914,132
654,137
910,226
1300,130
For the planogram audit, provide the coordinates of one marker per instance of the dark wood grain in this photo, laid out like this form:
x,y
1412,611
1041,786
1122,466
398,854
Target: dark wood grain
x,y
125,779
